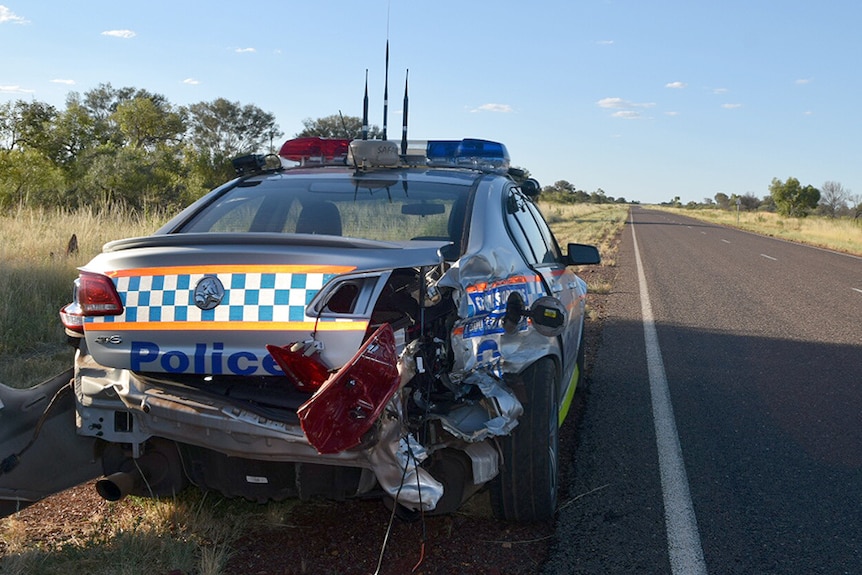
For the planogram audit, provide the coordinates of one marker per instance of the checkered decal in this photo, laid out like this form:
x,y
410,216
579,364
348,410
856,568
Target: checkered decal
x,y
249,297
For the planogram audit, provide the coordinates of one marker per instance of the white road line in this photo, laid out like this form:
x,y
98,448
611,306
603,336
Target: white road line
x,y
683,538
769,257
857,289
726,241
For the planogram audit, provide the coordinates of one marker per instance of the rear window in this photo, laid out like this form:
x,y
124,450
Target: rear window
x,y
374,209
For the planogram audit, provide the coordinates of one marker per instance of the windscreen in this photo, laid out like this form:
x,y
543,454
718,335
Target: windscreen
x,y
367,208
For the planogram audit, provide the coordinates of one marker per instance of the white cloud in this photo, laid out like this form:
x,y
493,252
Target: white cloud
x,y
62,81
499,108
671,113
245,50
731,106
625,109
626,114
15,90
191,81
605,42
720,90
676,85
803,81
119,33
611,103
7,15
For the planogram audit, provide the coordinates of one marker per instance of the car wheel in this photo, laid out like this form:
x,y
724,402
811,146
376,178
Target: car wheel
x,y
526,488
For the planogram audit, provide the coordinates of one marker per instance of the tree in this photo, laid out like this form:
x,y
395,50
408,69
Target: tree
x,y
228,129
222,130
833,199
101,105
337,126
27,177
73,132
749,202
26,125
723,200
599,197
792,199
147,122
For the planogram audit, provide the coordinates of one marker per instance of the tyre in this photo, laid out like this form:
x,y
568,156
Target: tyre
x,y
526,488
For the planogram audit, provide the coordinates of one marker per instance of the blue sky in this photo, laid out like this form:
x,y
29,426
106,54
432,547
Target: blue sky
x,y
646,99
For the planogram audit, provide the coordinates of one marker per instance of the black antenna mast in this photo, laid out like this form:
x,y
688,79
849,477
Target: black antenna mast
x,y
365,109
386,91
404,118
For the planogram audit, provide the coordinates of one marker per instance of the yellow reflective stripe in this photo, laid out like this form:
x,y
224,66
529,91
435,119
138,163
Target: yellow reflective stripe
x,y
570,395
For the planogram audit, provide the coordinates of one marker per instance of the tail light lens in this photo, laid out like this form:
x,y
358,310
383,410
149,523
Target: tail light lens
x,y
94,295
97,295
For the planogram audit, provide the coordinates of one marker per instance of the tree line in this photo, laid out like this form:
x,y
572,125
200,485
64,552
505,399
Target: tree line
x,y
566,192
123,145
789,198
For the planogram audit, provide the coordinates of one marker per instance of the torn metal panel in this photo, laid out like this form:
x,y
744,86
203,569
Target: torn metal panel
x,y
395,461
497,414
481,288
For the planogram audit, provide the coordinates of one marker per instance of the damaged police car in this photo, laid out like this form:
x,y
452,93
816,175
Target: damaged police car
x,y
366,321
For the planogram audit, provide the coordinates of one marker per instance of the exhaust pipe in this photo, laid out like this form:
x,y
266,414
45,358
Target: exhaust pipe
x,y
157,473
118,485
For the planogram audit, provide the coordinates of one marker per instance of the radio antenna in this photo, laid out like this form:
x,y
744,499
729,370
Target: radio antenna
x,y
404,118
365,109
386,91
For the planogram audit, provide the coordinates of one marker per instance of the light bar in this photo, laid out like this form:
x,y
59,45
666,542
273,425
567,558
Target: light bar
x,y
367,154
315,150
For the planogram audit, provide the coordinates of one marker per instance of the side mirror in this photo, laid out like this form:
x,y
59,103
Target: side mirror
x,y
531,188
583,255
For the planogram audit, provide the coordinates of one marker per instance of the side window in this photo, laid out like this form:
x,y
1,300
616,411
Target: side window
x,y
514,217
553,250
530,231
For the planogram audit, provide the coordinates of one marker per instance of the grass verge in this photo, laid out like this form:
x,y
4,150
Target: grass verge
x,y
839,234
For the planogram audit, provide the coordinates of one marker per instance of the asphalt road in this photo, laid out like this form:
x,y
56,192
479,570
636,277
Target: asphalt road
x,y
726,436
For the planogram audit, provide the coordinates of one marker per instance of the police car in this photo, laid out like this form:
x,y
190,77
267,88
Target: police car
x,y
357,318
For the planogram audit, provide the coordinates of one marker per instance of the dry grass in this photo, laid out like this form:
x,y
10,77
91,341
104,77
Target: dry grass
x,y
842,235
186,534
594,224
36,275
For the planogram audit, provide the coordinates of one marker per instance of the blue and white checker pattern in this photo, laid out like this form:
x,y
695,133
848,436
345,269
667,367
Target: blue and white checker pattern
x,y
249,297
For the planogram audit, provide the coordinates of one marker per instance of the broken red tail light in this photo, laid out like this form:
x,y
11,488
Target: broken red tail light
x,y
348,404
307,371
